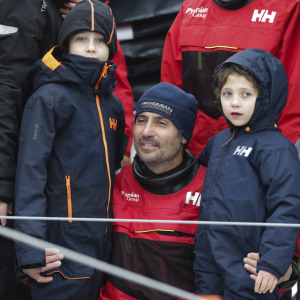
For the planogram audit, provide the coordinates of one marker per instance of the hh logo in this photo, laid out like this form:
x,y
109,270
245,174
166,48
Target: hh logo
x,y
242,151
113,123
263,16
196,199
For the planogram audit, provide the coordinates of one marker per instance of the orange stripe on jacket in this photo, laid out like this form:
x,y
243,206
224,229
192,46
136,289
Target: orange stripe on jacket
x,y
104,74
92,16
112,32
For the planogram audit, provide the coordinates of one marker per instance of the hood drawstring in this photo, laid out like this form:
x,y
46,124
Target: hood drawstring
x,y
103,75
232,137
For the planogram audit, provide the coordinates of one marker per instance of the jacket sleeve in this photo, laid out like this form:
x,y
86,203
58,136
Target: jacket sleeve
x,y
203,158
35,146
124,93
289,54
17,55
171,67
23,36
279,172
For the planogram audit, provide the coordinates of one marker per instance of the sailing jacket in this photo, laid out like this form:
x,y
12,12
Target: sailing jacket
x,y
70,146
204,34
253,175
162,251
28,30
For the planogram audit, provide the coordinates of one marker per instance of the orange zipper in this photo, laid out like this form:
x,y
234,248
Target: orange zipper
x,y
68,184
104,75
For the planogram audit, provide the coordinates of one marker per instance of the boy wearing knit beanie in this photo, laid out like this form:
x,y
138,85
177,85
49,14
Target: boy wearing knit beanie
x,y
70,146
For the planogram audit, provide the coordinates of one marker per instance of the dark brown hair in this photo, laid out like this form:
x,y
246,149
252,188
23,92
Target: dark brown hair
x,y
220,77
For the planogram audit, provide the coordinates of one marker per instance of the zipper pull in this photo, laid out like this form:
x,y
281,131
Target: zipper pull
x,y
232,137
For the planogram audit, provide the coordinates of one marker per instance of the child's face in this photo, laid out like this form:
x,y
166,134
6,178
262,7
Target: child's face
x,y
89,44
238,98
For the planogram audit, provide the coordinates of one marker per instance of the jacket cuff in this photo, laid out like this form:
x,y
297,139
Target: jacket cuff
x,y
295,276
21,276
6,200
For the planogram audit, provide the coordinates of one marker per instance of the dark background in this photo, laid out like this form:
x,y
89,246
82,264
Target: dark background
x,y
149,22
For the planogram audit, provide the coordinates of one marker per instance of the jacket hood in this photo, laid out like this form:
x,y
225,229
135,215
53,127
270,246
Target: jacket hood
x,y
272,76
90,15
59,67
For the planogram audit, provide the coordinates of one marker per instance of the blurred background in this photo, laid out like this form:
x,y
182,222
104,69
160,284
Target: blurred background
x,y
142,27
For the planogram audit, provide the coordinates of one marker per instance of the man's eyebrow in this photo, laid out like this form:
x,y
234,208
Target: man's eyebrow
x,y
161,118
140,115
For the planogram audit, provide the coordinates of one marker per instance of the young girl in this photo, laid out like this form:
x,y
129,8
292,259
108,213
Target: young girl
x,y
253,176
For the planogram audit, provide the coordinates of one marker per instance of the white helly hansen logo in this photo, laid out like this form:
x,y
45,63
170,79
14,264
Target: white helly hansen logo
x,y
242,151
263,16
195,198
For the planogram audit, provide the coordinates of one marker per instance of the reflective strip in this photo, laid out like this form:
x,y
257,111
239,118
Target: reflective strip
x,y
228,47
4,29
152,230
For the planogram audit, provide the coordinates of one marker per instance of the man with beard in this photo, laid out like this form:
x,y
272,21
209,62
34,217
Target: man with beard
x,y
164,182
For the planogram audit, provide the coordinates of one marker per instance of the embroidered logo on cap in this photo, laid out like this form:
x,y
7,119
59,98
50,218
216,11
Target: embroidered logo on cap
x,y
157,106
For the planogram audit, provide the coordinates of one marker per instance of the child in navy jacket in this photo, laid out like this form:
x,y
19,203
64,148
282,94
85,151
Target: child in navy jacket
x,y
70,146
252,176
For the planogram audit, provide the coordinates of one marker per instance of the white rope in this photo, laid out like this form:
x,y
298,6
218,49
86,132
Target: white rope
x,y
111,269
99,265
153,221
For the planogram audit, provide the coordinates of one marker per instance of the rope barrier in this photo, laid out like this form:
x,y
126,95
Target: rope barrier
x,y
99,265
114,270
152,221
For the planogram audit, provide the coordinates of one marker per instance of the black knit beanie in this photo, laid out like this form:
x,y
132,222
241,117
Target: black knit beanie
x,y
90,15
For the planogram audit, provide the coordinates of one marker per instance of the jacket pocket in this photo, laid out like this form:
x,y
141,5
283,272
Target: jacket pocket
x,y
69,197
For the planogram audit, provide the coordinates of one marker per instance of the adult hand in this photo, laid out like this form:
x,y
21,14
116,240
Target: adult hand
x,y
4,210
68,6
53,260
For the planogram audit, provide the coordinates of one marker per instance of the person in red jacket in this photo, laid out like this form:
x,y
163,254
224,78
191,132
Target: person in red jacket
x,y
207,32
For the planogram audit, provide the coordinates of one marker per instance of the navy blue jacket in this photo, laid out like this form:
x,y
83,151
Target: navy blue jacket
x,y
253,175
70,146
